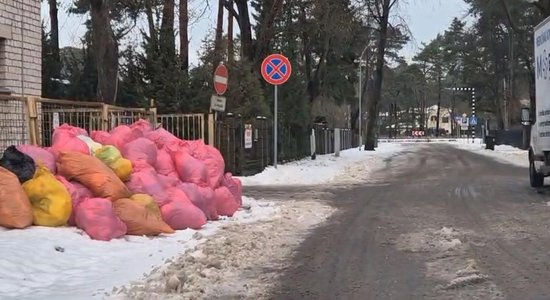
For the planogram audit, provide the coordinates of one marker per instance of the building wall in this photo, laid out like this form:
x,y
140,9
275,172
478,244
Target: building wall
x,y
21,47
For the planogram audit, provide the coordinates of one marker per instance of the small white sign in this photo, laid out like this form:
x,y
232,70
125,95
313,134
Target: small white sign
x,y
217,103
55,120
248,136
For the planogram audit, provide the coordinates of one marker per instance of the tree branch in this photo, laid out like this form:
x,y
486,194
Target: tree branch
x,y
231,9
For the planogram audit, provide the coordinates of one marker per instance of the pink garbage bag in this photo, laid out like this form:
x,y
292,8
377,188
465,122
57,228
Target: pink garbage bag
x,y
140,149
161,137
100,136
164,164
122,135
40,155
190,169
180,213
226,204
146,181
235,186
65,138
98,219
201,197
215,166
142,126
169,181
77,191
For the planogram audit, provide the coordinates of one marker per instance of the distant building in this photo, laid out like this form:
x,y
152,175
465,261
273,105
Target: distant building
x,y
20,47
445,119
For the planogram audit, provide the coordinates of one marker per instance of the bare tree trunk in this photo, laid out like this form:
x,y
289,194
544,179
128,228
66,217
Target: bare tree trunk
x,y
167,39
184,35
106,51
218,56
230,45
378,76
54,37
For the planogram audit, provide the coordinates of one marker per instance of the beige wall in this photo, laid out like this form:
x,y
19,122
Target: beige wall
x,y
20,47
444,114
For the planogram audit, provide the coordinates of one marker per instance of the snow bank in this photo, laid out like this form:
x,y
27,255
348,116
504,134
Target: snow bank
x,y
324,169
503,153
63,263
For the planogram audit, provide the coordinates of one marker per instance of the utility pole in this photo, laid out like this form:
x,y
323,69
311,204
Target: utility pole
x,y
438,102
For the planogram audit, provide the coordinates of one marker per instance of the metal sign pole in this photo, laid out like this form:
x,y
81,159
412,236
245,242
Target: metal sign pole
x,y
275,131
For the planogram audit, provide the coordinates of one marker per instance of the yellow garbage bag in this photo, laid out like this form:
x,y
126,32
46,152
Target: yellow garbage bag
x,y
50,200
108,154
111,156
122,169
148,202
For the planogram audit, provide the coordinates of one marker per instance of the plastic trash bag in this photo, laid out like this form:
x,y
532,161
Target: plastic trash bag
x,y
65,138
15,207
180,213
93,174
226,205
51,202
140,149
97,217
40,156
148,202
201,197
18,163
139,220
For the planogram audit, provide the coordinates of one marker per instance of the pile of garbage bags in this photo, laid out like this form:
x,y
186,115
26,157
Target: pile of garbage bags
x,y
133,180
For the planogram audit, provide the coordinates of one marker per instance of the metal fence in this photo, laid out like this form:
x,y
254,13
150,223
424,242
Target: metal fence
x,y
247,146
32,120
13,122
184,126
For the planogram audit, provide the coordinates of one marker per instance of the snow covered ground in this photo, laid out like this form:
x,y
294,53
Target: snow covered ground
x,y
63,263
502,153
325,168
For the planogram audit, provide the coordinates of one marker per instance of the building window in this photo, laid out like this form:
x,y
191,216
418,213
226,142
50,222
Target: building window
x,y
445,120
433,118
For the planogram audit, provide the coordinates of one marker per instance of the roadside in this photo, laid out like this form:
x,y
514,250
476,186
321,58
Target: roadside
x,y
245,260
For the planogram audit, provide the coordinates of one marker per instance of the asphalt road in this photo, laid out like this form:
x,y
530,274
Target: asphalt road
x,y
439,223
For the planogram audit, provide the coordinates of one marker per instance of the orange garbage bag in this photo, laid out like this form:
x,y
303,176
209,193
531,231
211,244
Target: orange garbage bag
x,y
15,207
139,219
93,174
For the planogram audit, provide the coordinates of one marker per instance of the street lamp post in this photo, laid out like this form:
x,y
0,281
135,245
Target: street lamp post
x,y
361,97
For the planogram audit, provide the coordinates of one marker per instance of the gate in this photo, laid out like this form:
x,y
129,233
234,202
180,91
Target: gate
x,y
184,126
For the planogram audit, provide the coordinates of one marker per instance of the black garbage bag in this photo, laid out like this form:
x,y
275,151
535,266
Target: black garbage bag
x,y
18,163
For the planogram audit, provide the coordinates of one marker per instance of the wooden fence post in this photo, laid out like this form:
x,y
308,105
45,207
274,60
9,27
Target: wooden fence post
x,y
32,120
153,117
104,117
211,130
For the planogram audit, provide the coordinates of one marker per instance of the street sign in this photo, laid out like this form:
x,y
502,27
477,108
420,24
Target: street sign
x,y
465,122
473,121
221,77
417,133
217,103
55,120
248,136
276,69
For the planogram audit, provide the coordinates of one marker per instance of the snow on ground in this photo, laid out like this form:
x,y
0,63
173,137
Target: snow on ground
x,y
325,168
502,153
63,263
227,257
243,263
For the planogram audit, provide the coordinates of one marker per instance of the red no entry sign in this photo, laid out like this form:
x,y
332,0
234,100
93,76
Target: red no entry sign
x,y
221,77
276,69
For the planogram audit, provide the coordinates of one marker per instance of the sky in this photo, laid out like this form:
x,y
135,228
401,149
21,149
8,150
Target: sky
x,y
425,18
